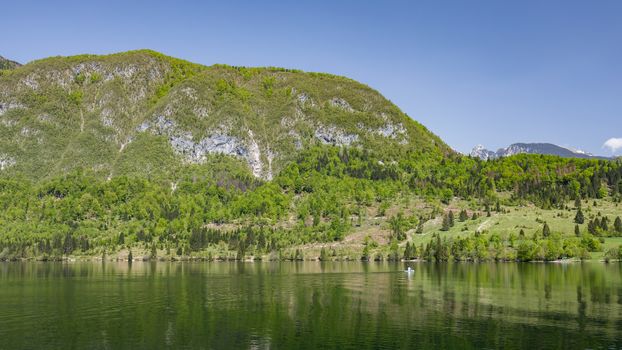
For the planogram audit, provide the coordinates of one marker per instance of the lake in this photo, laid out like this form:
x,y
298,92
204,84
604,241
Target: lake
x,y
310,305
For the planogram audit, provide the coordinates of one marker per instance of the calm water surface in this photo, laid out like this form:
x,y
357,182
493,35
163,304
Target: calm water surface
x,y
309,306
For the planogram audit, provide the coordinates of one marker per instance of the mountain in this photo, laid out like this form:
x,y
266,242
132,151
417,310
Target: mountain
x,y
147,114
8,64
532,148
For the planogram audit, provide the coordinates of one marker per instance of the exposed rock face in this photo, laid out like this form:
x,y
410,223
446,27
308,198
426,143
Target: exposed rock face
x,y
7,106
341,103
532,148
333,136
197,151
6,161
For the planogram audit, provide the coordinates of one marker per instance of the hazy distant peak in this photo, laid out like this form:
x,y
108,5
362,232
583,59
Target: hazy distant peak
x,y
481,152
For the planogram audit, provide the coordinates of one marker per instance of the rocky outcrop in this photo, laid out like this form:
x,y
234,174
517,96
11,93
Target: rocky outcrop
x,y
7,106
333,136
6,161
341,104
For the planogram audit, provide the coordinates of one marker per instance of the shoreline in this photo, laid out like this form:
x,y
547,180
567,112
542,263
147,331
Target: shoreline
x,y
346,260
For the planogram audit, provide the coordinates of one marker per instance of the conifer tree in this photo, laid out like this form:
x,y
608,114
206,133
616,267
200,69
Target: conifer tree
x,y
463,215
451,218
546,231
577,230
591,227
604,224
617,225
446,224
579,218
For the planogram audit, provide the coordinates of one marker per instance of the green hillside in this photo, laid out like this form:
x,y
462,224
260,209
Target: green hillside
x,y
145,114
143,155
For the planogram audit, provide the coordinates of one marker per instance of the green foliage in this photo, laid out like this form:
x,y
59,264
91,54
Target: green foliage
x,y
85,180
398,226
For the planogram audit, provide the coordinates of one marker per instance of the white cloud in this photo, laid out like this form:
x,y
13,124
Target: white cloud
x,y
614,144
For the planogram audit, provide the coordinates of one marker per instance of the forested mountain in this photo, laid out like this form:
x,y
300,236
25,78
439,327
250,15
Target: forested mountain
x,y
140,153
145,114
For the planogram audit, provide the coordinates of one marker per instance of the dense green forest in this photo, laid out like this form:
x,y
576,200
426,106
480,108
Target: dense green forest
x,y
219,211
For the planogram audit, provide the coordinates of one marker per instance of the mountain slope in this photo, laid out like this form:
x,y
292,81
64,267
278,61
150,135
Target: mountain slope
x,y
8,64
147,114
530,148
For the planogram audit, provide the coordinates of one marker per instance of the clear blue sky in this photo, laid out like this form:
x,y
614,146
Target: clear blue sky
x,y
490,72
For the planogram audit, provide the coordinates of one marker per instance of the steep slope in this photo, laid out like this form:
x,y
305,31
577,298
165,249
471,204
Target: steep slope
x,y
530,148
147,114
8,64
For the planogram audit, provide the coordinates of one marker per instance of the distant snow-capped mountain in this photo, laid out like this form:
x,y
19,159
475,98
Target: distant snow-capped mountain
x,y
481,152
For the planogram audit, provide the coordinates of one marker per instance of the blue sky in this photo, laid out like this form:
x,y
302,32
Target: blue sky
x,y
490,72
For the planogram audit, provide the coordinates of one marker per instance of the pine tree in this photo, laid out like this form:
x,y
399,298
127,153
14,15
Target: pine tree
x,y
579,218
130,257
546,231
617,225
521,233
121,238
446,224
68,244
591,227
463,215
474,217
604,224
577,230
451,218
577,202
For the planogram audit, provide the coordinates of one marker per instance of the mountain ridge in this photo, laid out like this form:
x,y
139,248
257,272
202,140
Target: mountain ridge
x,y
142,112
481,152
6,64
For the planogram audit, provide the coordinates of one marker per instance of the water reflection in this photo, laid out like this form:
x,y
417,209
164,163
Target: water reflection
x,y
309,305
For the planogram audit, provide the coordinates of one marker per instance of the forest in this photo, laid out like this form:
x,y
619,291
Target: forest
x,y
316,201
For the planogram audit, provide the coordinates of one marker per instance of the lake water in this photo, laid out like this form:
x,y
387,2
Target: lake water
x,y
309,306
